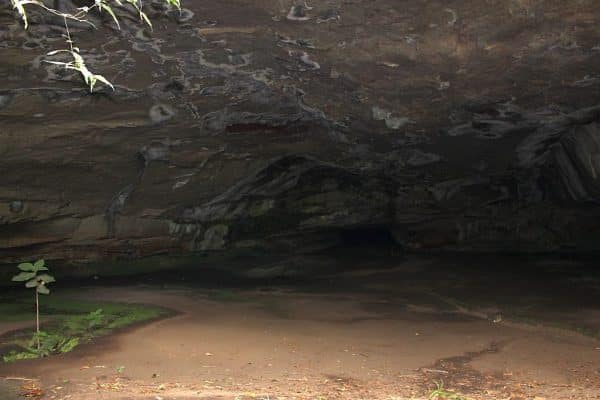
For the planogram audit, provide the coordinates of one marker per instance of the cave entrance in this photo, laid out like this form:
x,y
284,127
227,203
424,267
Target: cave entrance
x,y
371,236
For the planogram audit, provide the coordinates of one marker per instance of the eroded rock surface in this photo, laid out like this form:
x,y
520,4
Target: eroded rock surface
x,y
277,125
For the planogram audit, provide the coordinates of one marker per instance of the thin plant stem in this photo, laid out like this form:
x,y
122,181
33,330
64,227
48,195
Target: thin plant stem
x,y
37,318
68,34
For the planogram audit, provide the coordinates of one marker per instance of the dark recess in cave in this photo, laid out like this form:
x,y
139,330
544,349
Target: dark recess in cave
x,y
369,236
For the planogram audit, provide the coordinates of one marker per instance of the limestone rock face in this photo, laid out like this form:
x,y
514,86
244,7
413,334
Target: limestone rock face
x,y
273,128
566,150
577,157
293,196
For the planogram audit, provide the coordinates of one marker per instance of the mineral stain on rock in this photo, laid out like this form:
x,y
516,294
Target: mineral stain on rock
x,y
298,13
5,99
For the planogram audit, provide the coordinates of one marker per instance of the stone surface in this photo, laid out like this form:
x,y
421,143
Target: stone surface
x,y
269,126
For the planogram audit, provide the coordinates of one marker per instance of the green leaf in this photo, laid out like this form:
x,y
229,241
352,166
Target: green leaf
x,y
42,289
175,3
19,6
23,276
25,266
31,284
46,278
68,345
145,18
78,64
109,10
104,80
55,52
39,265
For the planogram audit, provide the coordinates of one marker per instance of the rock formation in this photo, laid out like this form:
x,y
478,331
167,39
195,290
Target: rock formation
x,y
472,129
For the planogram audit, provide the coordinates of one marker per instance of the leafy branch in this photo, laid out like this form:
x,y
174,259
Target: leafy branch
x,y
77,62
19,6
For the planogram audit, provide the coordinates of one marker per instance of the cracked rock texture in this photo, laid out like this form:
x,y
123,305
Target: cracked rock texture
x,y
266,125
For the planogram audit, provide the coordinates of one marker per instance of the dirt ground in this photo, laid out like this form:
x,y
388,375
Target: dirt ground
x,y
282,344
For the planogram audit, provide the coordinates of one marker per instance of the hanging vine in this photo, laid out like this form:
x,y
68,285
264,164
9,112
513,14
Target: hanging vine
x,y
80,14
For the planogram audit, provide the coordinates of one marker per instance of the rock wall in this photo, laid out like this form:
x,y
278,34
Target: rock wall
x,y
273,127
548,200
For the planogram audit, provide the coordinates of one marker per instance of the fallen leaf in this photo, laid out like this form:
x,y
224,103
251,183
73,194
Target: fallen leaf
x,y
31,390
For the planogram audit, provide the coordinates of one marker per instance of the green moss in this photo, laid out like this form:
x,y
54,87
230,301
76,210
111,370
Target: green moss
x,y
70,322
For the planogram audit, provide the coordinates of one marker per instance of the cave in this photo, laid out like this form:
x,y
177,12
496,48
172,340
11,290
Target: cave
x,y
299,199
367,236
